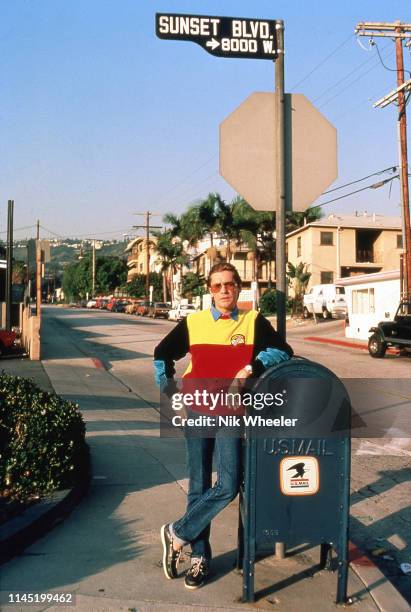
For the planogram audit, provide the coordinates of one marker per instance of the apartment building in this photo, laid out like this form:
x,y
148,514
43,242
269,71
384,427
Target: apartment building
x,y
346,245
205,254
137,257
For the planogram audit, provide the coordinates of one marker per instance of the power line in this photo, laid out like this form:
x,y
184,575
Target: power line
x,y
322,62
374,186
392,168
183,180
367,61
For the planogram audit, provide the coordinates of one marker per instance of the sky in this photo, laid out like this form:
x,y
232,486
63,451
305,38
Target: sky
x,y
100,119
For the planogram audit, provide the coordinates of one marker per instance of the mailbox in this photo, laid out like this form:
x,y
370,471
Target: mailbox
x,y
296,473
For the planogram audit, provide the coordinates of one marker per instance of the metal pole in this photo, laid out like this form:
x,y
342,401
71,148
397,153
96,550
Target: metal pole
x,y
280,279
38,271
280,172
9,272
402,120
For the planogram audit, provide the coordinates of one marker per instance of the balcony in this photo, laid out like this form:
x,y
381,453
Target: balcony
x,y
368,257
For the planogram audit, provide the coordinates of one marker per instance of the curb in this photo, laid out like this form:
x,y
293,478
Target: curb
x,y
20,532
345,344
382,591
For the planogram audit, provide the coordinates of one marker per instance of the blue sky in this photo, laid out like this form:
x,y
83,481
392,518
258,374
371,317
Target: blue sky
x,y
100,119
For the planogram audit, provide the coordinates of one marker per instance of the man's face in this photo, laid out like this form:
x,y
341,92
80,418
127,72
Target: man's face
x,y
224,290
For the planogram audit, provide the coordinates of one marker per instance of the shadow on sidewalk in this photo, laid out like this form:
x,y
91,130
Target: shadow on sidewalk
x,y
390,534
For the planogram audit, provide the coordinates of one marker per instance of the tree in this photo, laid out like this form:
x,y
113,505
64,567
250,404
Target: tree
x,y
137,286
111,272
172,255
19,272
193,285
294,219
299,277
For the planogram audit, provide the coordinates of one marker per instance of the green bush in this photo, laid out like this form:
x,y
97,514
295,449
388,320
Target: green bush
x,y
268,302
42,439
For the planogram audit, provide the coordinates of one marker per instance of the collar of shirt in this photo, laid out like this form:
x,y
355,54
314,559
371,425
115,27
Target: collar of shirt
x,y
218,315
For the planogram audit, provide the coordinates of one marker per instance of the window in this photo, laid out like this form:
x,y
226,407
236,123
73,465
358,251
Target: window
x,y
399,241
299,246
327,278
363,301
326,238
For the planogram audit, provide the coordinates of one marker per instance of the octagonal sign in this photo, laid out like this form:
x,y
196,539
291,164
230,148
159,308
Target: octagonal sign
x,y
248,154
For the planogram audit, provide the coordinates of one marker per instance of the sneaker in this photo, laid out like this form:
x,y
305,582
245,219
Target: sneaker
x,y
170,556
197,574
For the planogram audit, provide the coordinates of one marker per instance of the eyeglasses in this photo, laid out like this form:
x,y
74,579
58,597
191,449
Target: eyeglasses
x,y
216,288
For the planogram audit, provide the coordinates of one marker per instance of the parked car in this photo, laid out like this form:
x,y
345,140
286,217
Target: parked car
x,y
111,304
325,300
181,311
120,306
392,333
142,308
91,304
159,309
131,307
7,340
101,303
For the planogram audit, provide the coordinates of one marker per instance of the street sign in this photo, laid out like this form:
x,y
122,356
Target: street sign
x,y
248,156
222,36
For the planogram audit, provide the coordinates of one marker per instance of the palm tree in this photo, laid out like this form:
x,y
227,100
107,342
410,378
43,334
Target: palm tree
x,y
172,256
298,276
295,219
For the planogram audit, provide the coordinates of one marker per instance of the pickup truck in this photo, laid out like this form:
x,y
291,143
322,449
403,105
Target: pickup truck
x,y
392,333
181,311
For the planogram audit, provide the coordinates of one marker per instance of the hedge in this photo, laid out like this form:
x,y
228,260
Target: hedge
x,y
42,439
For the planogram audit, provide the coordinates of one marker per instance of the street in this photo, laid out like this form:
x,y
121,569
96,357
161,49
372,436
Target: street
x,y
108,549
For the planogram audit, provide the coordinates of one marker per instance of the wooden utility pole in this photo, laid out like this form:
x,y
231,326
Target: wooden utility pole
x,y
147,227
399,31
38,272
93,270
9,272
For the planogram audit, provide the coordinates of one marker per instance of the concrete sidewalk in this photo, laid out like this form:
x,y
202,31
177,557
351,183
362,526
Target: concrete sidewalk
x,y
108,550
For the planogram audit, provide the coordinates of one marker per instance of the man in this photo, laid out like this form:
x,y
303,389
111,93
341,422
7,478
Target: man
x,y
225,343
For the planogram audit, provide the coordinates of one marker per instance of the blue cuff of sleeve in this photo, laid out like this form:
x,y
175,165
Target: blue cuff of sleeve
x,y
272,356
160,374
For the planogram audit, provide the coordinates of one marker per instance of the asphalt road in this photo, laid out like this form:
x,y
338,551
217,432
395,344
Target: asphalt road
x,y
380,388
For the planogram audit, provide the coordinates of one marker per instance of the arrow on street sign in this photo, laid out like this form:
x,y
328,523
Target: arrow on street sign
x,y
222,36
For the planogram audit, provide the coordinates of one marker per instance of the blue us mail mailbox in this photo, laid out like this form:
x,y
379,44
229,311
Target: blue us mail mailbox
x,y
296,472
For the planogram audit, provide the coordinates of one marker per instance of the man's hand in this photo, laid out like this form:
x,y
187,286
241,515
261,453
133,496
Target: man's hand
x,y
244,372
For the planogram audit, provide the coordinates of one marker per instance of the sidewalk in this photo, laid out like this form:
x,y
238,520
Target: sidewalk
x,y
108,550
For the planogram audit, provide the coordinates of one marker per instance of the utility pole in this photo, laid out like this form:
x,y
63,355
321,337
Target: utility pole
x,y
38,272
280,272
93,272
399,32
9,273
147,227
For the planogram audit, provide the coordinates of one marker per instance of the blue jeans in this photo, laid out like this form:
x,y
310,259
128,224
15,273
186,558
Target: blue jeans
x,y
204,502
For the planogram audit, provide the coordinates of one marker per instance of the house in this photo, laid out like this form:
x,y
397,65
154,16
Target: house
x,y
341,246
137,257
370,298
205,254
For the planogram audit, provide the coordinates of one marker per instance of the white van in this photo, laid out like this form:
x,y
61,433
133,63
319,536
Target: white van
x,y
325,300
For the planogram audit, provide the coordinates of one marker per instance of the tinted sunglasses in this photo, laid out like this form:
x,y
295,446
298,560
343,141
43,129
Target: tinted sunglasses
x,y
216,287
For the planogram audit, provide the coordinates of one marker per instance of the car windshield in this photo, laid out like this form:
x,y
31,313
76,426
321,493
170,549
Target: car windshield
x,y
187,307
404,309
160,305
340,290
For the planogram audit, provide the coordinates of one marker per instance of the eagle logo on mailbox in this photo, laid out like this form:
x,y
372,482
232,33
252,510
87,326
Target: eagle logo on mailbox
x,y
299,476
